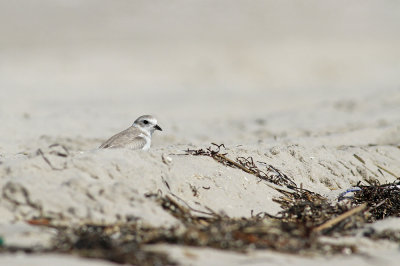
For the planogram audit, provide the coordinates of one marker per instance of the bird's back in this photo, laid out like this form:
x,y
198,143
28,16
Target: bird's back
x,y
131,137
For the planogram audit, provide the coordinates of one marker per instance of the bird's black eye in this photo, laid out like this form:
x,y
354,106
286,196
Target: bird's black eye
x,y
145,122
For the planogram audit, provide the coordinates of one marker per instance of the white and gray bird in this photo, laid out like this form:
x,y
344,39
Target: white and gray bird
x,y
136,137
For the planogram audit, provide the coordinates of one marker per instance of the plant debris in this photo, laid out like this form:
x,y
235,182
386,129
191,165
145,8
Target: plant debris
x,y
369,203
120,244
297,229
318,214
383,200
270,173
259,231
391,235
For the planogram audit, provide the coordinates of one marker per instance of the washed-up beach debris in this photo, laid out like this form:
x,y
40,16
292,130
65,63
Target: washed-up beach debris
x,y
268,173
297,229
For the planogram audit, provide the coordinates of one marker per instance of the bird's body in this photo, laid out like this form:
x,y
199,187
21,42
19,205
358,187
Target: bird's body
x,y
136,137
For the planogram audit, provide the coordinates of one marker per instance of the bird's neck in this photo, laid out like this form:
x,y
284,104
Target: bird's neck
x,y
145,131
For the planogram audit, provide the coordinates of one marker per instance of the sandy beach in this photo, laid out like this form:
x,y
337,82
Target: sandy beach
x,y
310,88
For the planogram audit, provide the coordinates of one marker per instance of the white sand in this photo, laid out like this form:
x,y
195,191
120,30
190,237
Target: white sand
x,y
293,86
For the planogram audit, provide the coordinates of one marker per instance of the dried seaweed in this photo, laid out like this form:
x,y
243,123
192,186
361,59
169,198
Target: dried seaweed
x,y
125,243
220,232
120,244
306,216
368,204
388,234
259,232
246,164
383,200
317,213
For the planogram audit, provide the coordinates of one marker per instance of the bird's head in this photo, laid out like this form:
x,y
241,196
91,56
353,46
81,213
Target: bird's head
x,y
147,122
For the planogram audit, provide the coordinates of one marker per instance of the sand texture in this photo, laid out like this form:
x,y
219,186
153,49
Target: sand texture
x,y
317,100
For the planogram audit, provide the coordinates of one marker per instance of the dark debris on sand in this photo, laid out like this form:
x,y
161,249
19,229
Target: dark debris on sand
x,y
297,229
383,200
246,164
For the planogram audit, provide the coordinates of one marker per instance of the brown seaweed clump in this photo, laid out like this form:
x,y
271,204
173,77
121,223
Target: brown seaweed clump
x,y
383,200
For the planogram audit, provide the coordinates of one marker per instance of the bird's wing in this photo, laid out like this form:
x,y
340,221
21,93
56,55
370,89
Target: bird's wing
x,y
137,143
128,138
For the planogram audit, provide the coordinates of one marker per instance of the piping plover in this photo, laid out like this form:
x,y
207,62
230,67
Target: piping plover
x,y
136,137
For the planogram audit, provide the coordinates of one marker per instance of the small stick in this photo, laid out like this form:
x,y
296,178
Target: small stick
x,y
234,163
377,205
177,205
188,209
359,158
387,171
40,152
340,218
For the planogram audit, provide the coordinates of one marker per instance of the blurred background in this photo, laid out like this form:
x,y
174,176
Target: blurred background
x,y
88,68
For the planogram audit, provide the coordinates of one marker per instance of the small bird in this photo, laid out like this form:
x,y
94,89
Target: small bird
x,y
136,137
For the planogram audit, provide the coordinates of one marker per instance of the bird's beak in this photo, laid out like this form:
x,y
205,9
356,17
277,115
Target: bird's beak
x,y
158,127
